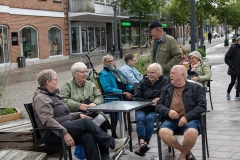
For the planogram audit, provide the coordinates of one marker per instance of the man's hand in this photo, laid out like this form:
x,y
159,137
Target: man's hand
x,y
195,79
68,139
92,104
83,107
155,101
128,95
183,121
84,116
173,114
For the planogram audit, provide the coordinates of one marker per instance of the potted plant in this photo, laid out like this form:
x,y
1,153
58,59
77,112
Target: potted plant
x,y
7,112
27,50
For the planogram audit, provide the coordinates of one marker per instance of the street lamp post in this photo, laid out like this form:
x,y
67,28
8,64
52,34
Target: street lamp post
x,y
114,5
226,39
193,36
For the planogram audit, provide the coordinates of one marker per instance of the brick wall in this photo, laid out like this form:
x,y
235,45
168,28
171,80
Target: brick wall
x,y
42,24
35,4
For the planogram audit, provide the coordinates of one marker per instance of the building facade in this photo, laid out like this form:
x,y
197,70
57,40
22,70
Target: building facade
x,y
91,23
34,29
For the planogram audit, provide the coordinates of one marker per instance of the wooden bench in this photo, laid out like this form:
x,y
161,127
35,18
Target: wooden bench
x,y
21,154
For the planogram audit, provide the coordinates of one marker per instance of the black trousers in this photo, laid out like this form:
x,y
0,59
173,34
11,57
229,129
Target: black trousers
x,y
85,132
230,86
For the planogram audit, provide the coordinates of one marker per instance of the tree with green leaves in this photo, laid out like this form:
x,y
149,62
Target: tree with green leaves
x,y
144,10
231,13
204,9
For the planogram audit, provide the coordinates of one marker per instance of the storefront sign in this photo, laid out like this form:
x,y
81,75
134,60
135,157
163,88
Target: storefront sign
x,y
14,38
126,24
164,25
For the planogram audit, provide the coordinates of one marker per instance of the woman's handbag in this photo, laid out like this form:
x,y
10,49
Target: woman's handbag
x,y
79,152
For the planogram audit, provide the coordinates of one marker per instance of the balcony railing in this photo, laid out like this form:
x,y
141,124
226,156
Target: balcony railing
x,y
81,6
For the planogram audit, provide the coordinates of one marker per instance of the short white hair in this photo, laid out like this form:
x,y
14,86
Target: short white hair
x,y
105,58
156,67
78,66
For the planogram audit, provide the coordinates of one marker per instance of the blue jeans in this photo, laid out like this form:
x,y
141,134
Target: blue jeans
x,y
145,124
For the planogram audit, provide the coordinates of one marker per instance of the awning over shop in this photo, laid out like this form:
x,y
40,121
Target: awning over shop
x,y
93,17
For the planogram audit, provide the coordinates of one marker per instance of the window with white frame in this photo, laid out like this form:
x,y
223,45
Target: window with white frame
x,y
4,44
29,42
55,41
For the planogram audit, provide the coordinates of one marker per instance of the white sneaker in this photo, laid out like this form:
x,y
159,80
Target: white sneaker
x,y
120,144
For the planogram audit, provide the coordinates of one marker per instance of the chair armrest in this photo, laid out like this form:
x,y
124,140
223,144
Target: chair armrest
x,y
112,94
204,113
47,128
114,99
157,119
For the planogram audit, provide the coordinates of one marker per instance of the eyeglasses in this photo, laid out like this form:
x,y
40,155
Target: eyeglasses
x,y
151,72
55,79
133,60
110,61
82,72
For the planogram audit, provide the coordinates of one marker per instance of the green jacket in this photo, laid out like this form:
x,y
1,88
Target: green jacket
x,y
73,94
168,54
203,72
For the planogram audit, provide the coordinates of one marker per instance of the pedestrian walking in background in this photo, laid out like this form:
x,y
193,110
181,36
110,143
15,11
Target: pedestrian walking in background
x,y
209,37
164,49
232,59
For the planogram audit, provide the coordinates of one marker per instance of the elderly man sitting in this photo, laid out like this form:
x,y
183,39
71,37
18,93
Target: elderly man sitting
x,y
181,104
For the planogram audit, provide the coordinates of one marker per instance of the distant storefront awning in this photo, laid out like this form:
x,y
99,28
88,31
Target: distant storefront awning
x,y
93,17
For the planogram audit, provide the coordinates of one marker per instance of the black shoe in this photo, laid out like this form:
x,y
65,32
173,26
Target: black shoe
x,y
105,156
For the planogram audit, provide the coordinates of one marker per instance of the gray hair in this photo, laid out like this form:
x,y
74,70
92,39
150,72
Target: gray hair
x,y
77,67
196,54
156,67
105,58
44,76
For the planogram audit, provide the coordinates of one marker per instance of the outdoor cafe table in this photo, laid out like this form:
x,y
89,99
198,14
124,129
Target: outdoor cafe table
x,y
121,107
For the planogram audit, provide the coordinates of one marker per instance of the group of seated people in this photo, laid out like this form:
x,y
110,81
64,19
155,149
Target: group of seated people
x,y
179,102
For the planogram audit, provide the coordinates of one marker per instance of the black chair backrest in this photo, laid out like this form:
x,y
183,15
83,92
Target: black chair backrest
x,y
204,91
135,87
30,112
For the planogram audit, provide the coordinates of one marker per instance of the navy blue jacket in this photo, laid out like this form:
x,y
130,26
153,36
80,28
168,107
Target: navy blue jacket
x,y
146,91
194,101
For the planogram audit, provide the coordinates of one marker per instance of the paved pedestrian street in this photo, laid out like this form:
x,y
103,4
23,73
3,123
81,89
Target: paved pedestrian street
x,y
223,122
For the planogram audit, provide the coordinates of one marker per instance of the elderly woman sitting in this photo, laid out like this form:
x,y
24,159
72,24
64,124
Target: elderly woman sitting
x,y
50,110
114,81
149,89
129,69
81,94
198,70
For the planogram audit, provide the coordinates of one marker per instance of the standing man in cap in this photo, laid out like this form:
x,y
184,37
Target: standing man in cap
x,y
164,49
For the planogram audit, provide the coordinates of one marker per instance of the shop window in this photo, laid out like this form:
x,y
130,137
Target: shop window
x,y
84,39
29,43
55,41
91,37
103,39
4,44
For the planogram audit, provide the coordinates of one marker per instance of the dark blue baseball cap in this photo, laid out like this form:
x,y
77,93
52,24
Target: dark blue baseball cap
x,y
153,24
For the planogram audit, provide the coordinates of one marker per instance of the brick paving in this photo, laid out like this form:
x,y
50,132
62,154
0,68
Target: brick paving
x,y
223,122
